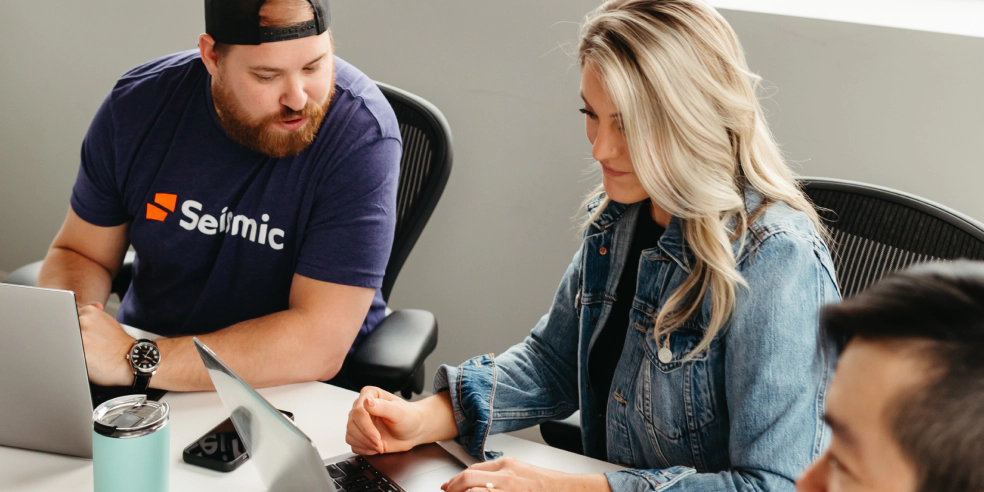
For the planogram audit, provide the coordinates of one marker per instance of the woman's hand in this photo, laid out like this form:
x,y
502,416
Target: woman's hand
x,y
381,422
511,475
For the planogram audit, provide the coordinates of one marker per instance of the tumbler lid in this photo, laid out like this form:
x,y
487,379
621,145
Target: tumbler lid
x,y
129,416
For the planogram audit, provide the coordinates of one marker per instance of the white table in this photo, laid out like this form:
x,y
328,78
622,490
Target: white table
x,y
320,410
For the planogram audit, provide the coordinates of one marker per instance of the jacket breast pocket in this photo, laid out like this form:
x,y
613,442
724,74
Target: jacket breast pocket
x,y
675,397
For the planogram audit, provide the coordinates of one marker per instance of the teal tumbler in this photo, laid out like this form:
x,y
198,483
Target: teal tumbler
x,y
130,445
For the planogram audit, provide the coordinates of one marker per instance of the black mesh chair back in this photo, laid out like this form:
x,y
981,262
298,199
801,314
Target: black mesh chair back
x,y
424,170
875,230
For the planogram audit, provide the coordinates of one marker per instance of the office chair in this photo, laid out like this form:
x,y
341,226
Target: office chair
x,y
873,232
392,356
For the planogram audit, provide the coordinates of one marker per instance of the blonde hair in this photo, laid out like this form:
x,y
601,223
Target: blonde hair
x,y
696,136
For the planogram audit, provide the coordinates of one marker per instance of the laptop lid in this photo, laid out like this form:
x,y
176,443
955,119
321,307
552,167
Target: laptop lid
x,y
44,387
285,457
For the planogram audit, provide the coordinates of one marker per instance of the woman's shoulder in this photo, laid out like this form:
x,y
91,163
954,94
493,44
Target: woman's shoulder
x,y
779,217
776,225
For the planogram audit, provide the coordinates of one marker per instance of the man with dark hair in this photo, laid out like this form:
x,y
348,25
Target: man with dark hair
x,y
256,180
907,403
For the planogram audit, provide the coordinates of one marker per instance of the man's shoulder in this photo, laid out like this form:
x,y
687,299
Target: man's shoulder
x,y
173,64
160,76
363,100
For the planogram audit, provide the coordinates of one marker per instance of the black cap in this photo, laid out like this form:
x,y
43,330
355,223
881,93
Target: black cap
x,y
238,22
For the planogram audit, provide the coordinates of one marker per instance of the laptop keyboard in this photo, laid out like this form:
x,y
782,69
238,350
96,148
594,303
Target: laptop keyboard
x,y
356,474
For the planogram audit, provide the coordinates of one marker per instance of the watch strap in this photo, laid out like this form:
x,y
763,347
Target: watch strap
x,y
141,382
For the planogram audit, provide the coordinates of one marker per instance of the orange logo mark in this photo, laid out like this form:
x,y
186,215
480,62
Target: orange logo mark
x,y
165,200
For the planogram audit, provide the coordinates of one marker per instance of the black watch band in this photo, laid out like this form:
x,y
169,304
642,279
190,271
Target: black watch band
x,y
141,382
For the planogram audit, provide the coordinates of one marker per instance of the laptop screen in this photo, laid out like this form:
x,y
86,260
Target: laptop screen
x,y
285,457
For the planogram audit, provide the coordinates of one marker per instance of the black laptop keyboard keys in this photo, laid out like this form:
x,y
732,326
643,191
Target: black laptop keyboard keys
x,y
348,468
335,472
357,475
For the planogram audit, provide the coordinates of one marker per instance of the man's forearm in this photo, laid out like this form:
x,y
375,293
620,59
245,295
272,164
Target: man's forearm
x,y
68,270
280,348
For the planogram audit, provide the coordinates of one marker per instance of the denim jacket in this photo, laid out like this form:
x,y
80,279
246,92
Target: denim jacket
x,y
743,415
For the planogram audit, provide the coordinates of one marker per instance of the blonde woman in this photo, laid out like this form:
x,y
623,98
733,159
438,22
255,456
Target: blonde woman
x,y
686,327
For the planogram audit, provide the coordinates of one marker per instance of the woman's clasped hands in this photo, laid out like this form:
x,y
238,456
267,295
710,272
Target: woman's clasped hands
x,y
381,422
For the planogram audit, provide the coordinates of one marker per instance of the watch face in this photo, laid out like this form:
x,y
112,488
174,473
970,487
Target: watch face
x,y
144,357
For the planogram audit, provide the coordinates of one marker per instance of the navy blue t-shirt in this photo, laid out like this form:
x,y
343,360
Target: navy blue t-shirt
x,y
220,230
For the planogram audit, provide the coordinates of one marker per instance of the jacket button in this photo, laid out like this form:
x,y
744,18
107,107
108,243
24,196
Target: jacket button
x,y
603,251
594,321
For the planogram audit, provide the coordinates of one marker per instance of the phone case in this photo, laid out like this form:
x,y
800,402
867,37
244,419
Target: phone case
x,y
217,465
222,466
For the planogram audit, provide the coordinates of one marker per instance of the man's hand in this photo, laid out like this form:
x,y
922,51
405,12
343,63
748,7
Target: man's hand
x,y
106,345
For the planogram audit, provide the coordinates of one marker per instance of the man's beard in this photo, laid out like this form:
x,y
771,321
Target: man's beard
x,y
259,135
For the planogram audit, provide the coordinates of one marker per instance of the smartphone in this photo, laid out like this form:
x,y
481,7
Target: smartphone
x,y
220,449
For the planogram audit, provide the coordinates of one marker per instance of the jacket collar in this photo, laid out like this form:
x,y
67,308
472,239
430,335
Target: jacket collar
x,y
612,212
672,244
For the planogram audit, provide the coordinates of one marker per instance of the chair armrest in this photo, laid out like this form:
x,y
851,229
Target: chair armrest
x,y
25,275
395,350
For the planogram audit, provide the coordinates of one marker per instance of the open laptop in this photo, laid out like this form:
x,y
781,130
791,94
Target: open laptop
x,y
46,400
287,460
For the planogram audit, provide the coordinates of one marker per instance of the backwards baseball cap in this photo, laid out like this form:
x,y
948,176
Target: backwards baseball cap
x,y
238,22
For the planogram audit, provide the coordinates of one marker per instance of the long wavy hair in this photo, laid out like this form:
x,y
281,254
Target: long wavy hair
x,y
696,135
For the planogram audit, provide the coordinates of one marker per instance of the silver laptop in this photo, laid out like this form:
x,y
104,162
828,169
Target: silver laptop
x,y
45,403
287,460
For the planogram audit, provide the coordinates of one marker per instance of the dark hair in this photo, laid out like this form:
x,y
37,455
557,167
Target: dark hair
x,y
940,425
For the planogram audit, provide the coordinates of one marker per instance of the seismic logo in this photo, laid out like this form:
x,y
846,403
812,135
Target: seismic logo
x,y
226,223
166,201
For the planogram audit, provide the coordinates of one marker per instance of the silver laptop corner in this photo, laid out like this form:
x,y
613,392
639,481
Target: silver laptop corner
x,y
287,460
46,405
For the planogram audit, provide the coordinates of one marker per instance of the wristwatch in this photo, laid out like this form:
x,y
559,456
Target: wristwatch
x,y
144,358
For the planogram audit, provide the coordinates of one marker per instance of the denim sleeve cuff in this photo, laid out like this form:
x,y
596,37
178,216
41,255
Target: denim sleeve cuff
x,y
472,389
647,480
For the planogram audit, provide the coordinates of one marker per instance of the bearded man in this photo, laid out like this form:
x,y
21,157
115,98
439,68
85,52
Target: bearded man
x,y
255,178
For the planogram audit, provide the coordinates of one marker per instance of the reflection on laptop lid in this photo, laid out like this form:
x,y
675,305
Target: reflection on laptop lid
x,y
44,386
287,459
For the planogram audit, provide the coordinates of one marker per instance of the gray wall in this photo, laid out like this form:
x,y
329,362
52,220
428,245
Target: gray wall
x,y
898,108
491,257
59,59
